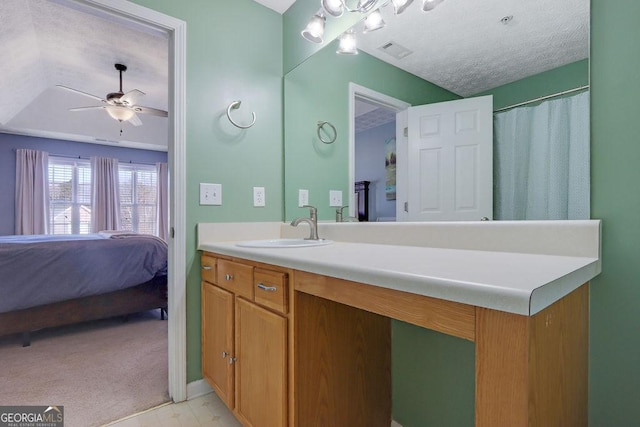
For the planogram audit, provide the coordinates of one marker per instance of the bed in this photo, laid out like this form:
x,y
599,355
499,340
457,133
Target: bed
x,y
48,281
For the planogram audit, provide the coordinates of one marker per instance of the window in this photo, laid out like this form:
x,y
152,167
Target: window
x,y
69,196
138,184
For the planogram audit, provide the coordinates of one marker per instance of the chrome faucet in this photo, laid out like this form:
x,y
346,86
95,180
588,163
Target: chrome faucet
x,y
312,221
339,213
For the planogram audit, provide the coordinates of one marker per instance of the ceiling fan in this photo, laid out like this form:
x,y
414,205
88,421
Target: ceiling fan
x,y
120,106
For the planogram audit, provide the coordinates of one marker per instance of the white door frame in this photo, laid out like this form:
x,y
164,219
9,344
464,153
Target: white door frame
x,y
381,99
177,31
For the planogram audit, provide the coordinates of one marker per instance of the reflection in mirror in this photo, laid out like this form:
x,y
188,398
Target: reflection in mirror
x,y
460,49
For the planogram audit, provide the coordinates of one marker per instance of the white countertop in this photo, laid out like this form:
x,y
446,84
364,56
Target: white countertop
x,y
511,281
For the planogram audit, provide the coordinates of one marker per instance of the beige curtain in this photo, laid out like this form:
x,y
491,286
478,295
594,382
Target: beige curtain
x,y
32,192
105,194
162,201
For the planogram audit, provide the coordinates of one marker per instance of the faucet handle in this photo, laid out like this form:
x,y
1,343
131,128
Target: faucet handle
x,y
313,211
340,213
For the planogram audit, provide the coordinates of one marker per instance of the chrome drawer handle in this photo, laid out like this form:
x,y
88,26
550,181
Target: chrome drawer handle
x,y
267,288
206,267
228,277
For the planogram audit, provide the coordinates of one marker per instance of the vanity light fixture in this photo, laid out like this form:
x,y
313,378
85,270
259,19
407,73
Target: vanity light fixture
x,y
348,45
315,28
314,31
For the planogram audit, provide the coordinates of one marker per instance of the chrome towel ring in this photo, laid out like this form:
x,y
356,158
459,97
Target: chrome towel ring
x,y
235,105
331,139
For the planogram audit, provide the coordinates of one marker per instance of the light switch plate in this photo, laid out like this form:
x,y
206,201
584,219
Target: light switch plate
x,y
210,194
258,197
335,198
303,197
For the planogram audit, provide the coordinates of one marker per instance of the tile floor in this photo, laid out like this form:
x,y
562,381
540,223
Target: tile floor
x,y
207,410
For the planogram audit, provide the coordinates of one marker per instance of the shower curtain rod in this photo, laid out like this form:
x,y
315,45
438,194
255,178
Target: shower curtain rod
x,y
542,98
68,156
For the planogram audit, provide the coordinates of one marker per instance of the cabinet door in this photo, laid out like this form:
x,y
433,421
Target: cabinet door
x,y
217,341
261,366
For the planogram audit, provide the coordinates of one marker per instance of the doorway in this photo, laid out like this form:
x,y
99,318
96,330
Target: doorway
x,y
376,130
176,30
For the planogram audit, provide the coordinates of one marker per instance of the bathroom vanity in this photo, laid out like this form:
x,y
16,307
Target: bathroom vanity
x,y
302,337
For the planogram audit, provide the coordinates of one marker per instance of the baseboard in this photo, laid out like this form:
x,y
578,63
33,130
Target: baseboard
x,y
198,388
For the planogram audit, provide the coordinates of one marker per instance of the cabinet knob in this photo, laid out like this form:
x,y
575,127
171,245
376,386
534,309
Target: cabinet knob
x,y
228,277
267,288
232,360
224,354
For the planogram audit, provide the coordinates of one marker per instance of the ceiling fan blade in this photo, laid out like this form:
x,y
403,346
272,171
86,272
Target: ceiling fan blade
x,y
149,110
130,98
80,92
87,108
135,120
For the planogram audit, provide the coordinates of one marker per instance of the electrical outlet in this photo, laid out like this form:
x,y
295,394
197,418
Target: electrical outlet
x,y
303,198
210,194
335,198
394,423
258,197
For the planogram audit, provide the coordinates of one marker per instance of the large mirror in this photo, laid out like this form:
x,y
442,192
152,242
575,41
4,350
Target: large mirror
x,y
529,56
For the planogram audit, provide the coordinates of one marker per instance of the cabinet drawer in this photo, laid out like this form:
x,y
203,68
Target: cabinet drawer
x,y
271,289
235,277
208,265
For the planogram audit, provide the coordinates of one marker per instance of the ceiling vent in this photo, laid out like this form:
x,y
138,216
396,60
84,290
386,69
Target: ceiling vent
x,y
394,49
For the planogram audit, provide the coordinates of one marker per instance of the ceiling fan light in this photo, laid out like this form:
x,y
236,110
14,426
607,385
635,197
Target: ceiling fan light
x,y
399,6
122,114
373,22
428,5
315,29
334,8
348,45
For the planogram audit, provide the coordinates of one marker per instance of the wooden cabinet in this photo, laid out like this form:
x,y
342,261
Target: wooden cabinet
x,y
217,341
245,339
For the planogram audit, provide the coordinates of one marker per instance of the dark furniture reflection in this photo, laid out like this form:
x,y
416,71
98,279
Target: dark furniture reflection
x,y
362,200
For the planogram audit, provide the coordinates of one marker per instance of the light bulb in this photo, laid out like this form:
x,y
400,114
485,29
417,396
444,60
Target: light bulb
x,y
119,113
373,22
347,44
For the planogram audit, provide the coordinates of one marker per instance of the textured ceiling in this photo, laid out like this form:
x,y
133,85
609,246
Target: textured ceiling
x,y
463,46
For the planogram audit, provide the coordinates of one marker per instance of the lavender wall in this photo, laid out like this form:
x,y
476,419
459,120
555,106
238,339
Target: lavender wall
x,y
10,143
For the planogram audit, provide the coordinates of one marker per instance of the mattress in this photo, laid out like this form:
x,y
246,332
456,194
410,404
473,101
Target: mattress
x,y
38,270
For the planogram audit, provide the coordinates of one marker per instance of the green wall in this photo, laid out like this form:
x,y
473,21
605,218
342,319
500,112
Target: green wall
x,y
234,51
550,82
614,393
318,89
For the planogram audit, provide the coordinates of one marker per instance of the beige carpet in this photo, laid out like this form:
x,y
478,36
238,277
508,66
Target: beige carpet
x,y
99,371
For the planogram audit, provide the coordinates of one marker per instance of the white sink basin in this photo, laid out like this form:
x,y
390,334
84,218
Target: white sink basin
x,y
283,243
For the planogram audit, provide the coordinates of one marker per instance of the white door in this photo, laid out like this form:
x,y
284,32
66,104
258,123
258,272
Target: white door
x,y
449,158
